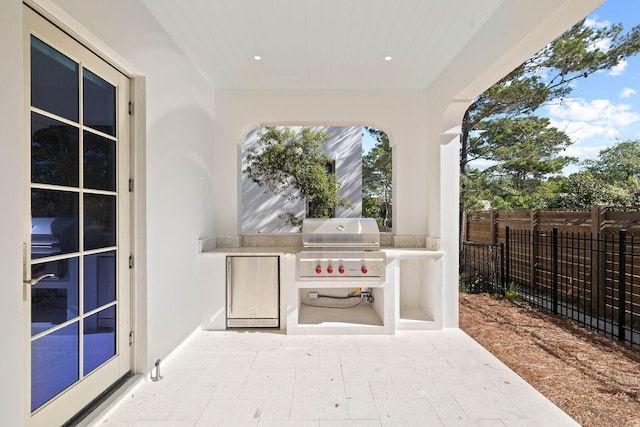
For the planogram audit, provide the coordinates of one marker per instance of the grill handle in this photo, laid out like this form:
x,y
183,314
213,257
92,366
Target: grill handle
x,y
332,245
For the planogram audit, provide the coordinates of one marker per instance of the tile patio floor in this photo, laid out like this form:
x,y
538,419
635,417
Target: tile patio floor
x,y
263,378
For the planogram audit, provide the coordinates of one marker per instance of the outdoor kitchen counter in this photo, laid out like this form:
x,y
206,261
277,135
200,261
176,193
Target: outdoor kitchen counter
x,y
406,253
412,299
275,250
254,250
213,286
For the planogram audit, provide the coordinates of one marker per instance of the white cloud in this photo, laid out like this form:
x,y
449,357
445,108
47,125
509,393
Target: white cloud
x,y
603,44
600,121
599,112
592,22
579,130
583,153
482,164
618,69
627,92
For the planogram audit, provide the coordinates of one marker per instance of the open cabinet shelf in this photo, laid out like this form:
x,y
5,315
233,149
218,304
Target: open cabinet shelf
x,y
362,315
322,315
419,299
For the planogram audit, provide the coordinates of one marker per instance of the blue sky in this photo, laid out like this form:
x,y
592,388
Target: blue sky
x,y
603,108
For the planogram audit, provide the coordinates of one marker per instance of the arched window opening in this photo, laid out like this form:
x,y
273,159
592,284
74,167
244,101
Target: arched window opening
x,y
293,172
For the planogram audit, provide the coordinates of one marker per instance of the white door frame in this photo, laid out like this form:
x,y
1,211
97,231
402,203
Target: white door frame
x,y
133,214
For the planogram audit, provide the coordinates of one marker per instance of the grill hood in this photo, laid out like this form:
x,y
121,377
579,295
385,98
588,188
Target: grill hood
x,y
344,233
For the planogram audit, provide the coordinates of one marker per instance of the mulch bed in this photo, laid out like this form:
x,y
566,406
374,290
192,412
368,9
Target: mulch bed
x,y
594,379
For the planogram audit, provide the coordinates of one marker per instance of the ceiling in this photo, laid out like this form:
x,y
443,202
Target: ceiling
x,y
322,44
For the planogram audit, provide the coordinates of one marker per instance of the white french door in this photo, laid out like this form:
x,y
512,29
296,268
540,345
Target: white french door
x,y
76,251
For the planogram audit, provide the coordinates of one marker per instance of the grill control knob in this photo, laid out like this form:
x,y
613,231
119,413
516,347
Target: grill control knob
x,y
318,269
330,270
341,270
364,270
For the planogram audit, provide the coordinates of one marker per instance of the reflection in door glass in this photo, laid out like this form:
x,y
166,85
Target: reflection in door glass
x,y
54,300
99,221
99,101
99,162
54,81
54,152
99,280
54,222
99,338
54,364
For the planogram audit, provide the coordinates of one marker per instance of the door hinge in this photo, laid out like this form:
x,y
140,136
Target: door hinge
x,y
131,186
130,261
131,337
130,108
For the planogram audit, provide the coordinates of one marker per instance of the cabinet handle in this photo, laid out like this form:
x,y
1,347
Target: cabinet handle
x,y
229,286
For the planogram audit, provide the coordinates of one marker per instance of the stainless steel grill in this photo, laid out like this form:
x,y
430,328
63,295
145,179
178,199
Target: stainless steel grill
x,y
341,248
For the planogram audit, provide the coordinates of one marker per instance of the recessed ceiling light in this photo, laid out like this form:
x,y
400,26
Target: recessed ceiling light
x,y
257,57
388,58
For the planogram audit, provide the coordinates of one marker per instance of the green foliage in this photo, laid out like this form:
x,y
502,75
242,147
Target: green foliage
x,y
524,148
294,165
473,285
474,191
369,207
525,152
377,180
502,193
617,163
500,126
612,179
512,292
585,189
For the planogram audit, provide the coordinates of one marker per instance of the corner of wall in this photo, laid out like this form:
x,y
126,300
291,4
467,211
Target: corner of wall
x,y
12,146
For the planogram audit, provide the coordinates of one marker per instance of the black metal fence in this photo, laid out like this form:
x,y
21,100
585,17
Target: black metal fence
x,y
591,279
480,268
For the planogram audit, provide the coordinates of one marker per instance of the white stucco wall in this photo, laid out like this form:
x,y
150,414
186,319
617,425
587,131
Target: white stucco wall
x,y
11,172
259,210
398,112
174,171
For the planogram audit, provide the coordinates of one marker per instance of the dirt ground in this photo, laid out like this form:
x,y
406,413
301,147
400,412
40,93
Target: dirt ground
x,y
593,379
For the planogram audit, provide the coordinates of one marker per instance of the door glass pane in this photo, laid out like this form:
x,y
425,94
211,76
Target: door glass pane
x,y
54,364
99,162
99,280
99,221
54,222
99,338
54,152
54,81
54,300
99,98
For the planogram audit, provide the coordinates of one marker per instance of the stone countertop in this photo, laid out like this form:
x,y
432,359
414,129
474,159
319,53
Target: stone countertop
x,y
255,250
413,252
394,246
289,242
285,250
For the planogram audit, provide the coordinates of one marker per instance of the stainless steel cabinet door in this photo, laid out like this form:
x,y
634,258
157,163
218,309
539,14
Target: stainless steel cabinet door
x,y
252,287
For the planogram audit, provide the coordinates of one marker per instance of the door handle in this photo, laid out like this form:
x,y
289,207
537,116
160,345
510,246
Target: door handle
x,y
35,281
26,268
230,288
